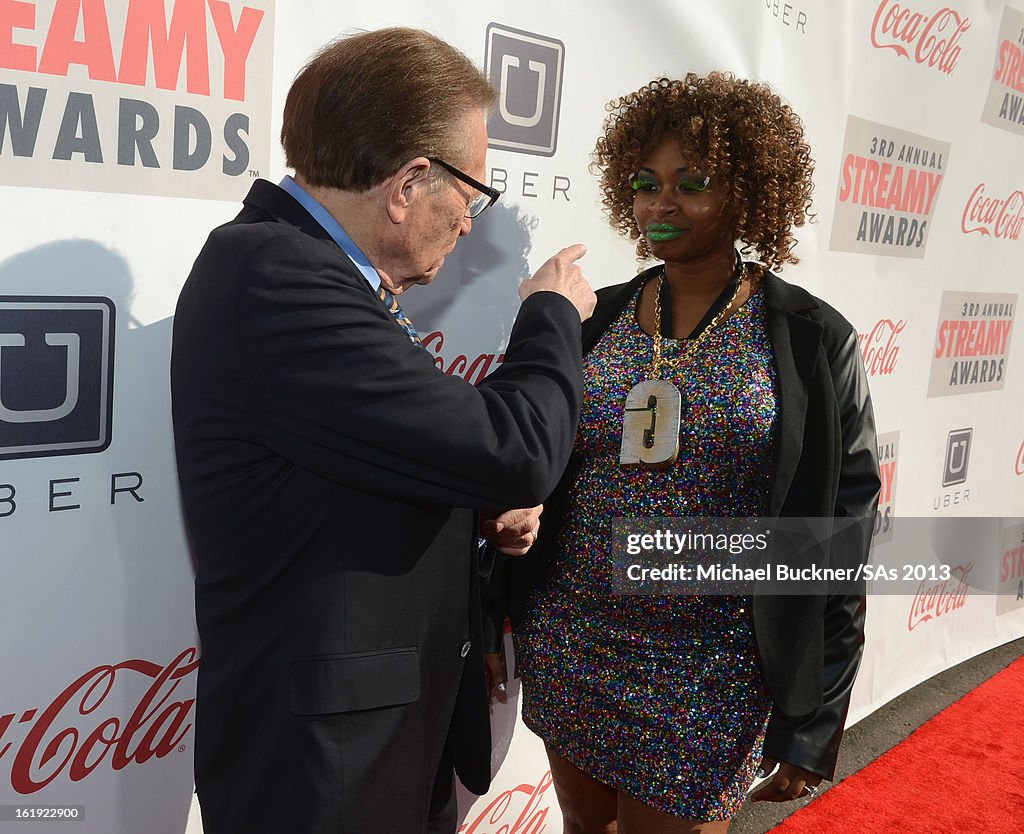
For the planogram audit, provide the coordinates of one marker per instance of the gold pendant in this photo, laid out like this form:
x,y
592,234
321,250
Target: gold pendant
x,y
650,425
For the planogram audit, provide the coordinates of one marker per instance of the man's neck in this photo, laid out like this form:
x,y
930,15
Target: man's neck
x,y
360,214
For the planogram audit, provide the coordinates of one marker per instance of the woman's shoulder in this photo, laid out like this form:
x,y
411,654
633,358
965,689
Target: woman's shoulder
x,y
611,301
785,297
625,289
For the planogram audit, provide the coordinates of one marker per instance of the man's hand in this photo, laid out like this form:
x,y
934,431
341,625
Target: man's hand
x,y
514,531
560,274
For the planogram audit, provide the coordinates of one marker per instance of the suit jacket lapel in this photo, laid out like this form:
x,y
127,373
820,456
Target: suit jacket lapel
x,y
796,340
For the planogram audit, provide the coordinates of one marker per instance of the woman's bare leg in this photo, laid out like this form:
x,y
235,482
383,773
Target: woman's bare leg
x,y
588,806
635,817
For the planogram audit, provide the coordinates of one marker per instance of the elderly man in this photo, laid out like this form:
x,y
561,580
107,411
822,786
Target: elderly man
x,y
332,478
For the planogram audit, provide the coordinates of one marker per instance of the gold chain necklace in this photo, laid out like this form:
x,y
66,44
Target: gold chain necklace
x,y
654,407
690,346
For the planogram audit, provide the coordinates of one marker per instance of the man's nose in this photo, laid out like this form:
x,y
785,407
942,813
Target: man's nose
x,y
466,227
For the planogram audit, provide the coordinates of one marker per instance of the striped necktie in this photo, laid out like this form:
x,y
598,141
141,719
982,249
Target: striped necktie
x,y
401,319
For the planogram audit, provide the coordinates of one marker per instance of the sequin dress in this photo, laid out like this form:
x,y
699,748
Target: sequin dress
x,y
661,697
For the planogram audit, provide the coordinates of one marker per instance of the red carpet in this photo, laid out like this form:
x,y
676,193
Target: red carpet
x,y
963,771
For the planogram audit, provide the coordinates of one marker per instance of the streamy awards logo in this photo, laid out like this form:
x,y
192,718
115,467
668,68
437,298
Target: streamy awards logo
x,y
1010,593
1004,106
137,96
888,186
972,343
931,39
885,515
56,375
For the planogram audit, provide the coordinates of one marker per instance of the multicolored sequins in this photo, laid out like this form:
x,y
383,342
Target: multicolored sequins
x,y
661,697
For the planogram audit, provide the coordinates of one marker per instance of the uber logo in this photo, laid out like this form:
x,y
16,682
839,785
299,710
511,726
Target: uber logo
x,y
958,453
56,375
526,70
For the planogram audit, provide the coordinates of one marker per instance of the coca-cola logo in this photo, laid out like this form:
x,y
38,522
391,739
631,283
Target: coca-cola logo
x,y
879,348
519,810
927,40
940,598
73,735
999,217
471,370
1018,465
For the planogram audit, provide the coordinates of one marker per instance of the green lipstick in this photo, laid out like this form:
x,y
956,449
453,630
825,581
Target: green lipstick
x,y
659,232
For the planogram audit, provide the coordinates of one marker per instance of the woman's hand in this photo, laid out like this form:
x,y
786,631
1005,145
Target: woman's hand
x,y
788,782
496,678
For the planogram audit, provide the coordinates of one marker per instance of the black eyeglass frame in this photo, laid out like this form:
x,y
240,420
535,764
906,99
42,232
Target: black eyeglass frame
x,y
492,194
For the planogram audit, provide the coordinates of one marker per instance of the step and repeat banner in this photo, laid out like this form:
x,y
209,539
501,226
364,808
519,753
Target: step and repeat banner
x,y
130,128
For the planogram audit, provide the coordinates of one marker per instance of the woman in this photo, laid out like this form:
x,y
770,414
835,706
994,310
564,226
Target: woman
x,y
658,711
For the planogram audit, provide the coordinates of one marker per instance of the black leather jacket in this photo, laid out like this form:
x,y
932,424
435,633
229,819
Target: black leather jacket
x,y
826,467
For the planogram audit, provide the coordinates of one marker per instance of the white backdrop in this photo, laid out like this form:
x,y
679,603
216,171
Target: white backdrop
x,y
129,128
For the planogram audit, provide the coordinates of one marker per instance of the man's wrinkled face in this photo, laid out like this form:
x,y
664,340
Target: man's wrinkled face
x,y
437,221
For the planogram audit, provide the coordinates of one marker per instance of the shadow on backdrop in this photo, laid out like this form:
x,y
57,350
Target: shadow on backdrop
x,y
113,568
475,295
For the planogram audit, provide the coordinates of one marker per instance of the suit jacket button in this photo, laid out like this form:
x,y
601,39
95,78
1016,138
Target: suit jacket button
x,y
465,648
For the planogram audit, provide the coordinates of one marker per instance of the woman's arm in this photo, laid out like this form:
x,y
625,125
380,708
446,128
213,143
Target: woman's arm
x,y
811,742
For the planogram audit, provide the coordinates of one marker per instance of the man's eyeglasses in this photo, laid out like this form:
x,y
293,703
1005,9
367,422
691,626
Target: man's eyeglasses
x,y
488,196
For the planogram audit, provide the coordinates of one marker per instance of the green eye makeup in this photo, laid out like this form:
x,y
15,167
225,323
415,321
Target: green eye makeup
x,y
695,183
642,184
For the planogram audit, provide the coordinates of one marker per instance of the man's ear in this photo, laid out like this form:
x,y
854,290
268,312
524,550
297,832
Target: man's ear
x,y
404,187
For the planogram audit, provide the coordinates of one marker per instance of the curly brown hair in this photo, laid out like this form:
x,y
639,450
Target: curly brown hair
x,y
740,130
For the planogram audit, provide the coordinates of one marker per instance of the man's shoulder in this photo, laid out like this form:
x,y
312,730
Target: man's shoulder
x,y
250,246
252,229
258,255
258,240
269,213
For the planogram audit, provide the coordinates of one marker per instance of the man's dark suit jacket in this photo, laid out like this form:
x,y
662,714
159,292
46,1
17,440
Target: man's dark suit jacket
x,y
329,476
